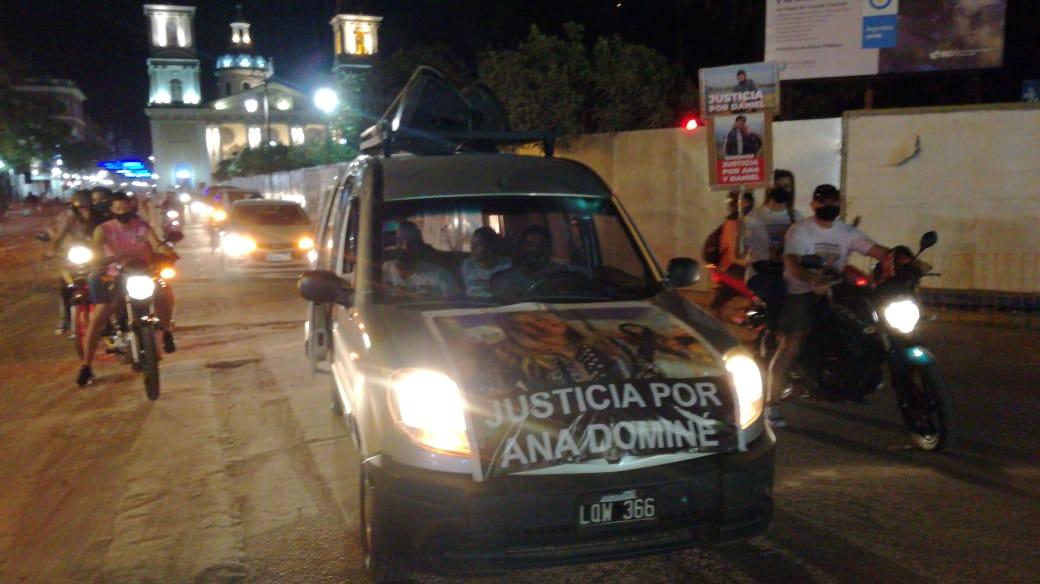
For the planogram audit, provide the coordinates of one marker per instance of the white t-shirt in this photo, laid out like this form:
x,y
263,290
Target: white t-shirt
x,y
806,237
764,231
477,279
426,279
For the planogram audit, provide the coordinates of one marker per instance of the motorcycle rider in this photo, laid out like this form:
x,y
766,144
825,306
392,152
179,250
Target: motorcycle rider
x,y
78,225
826,236
765,229
732,263
125,237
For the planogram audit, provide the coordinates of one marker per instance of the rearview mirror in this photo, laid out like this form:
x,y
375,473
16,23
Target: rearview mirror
x,y
928,240
683,272
811,262
324,286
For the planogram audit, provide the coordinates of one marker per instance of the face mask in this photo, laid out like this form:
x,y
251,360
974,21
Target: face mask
x,y
101,207
125,217
781,196
828,212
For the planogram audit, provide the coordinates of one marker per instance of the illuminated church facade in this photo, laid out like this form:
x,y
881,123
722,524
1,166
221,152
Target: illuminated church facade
x,y
191,136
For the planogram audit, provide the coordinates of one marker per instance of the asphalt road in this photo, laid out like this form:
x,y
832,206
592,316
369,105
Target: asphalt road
x,y
239,472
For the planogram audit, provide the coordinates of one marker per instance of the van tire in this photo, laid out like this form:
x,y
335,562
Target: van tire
x,y
381,567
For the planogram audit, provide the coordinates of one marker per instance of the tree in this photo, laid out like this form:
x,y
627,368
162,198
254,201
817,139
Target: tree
x,y
28,129
561,84
389,76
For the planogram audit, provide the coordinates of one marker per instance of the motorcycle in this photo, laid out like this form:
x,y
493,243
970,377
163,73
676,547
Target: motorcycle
x,y
131,333
870,326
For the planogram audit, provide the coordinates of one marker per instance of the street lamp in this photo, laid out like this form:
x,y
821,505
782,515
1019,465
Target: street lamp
x,y
327,101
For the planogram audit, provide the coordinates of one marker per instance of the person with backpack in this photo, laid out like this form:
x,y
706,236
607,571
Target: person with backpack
x,y
722,250
764,232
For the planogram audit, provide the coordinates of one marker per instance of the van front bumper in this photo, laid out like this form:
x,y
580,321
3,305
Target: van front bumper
x,y
449,524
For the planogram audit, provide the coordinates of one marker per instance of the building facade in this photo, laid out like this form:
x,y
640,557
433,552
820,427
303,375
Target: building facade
x,y
191,136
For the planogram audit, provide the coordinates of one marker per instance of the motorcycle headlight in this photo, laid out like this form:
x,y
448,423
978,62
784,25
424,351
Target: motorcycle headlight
x,y
219,215
140,287
236,245
428,407
167,273
184,198
171,214
79,255
305,243
902,315
747,383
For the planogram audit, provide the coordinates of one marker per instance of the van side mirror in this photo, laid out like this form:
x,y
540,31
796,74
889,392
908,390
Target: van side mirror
x,y
928,240
324,286
683,272
811,262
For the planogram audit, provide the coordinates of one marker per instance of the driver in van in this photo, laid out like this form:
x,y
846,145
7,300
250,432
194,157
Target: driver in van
x,y
409,273
532,264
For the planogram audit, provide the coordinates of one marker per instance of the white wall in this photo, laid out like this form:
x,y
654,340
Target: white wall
x,y
970,173
811,149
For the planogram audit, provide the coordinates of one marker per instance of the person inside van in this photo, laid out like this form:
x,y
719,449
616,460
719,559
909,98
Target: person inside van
x,y
410,274
533,262
482,263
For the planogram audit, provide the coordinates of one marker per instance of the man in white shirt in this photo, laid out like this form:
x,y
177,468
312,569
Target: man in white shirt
x,y
765,229
826,236
409,274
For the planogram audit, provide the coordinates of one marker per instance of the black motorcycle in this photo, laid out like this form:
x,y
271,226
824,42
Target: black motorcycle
x,y
870,325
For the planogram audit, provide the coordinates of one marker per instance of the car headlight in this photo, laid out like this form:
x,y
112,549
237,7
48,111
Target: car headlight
x,y
305,243
747,383
236,245
171,214
140,287
201,209
184,198
219,215
80,254
428,407
902,315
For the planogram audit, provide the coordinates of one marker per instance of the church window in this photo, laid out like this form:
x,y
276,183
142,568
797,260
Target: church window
x,y
176,91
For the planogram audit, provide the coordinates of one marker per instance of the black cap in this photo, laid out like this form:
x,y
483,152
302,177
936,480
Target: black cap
x,y
826,193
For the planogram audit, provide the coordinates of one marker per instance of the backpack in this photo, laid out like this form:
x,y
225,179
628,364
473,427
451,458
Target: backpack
x,y
712,251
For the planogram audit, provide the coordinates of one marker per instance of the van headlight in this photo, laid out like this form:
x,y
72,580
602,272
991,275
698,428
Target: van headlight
x,y
237,246
140,287
79,255
428,407
305,243
201,209
184,198
902,315
747,383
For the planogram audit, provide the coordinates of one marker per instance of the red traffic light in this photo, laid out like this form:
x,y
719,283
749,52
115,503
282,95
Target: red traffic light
x,y
691,124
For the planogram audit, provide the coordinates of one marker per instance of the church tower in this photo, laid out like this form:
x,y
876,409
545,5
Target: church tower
x,y
173,67
356,40
241,68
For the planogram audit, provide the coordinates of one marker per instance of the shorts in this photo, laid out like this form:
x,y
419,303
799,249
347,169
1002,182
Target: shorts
x,y
100,289
800,312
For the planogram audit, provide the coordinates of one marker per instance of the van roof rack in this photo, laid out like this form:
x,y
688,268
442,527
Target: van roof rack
x,y
430,116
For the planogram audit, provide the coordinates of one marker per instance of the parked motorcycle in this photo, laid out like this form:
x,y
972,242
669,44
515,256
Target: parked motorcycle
x,y
870,326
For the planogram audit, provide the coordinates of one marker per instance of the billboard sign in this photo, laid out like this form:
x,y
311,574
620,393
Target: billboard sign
x,y
841,38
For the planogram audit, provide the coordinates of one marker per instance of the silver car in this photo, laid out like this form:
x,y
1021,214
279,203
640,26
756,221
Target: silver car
x,y
265,234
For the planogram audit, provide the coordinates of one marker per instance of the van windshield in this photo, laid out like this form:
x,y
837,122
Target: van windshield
x,y
273,215
507,249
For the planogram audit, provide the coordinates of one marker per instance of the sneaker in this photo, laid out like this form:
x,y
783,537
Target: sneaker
x,y
167,342
62,329
774,417
86,376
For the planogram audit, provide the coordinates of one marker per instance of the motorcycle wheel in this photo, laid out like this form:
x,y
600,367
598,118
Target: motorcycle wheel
x,y
927,409
149,362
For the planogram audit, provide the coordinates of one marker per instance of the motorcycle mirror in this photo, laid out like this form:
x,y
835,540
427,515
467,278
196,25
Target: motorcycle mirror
x,y
811,262
928,240
174,237
43,236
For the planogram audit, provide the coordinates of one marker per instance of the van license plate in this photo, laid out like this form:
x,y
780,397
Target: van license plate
x,y
614,508
283,256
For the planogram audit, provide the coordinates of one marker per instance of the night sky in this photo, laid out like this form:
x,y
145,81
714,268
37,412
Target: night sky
x,y
102,44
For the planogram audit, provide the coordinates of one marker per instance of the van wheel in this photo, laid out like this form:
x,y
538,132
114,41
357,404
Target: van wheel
x,y
381,567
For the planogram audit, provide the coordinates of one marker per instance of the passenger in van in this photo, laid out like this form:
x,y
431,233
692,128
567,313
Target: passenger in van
x,y
483,262
409,273
532,263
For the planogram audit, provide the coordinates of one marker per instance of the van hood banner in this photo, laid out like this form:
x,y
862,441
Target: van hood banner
x,y
554,384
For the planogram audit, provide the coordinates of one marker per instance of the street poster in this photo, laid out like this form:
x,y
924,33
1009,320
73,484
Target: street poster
x,y
740,88
841,38
740,151
556,384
